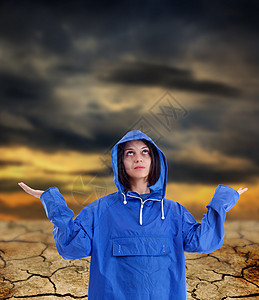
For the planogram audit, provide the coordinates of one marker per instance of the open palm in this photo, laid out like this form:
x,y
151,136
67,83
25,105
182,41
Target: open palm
x,y
240,190
27,189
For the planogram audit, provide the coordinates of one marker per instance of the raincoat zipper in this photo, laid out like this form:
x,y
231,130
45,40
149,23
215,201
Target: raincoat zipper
x,y
142,205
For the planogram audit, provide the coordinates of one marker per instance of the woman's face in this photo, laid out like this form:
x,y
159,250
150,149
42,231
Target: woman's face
x,y
137,159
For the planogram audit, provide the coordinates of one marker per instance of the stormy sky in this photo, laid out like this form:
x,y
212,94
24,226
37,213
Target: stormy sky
x,y
75,76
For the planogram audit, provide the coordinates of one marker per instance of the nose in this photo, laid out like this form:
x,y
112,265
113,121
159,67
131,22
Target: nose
x,y
139,159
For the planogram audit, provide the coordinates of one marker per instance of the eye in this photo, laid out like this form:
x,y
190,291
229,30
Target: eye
x,y
146,151
129,153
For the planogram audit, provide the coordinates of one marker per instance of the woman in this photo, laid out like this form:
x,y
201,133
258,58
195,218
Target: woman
x,y
136,238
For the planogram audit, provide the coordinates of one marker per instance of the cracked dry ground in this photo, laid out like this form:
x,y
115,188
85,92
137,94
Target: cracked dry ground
x,y
32,269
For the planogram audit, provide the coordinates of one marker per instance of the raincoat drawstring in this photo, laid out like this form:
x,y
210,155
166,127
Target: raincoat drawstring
x,y
142,205
125,201
162,208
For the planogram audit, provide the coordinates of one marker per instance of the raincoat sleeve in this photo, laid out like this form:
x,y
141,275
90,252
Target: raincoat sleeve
x,y
73,238
208,236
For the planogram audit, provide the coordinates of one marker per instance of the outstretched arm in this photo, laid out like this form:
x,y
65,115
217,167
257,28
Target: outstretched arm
x,y
208,236
73,238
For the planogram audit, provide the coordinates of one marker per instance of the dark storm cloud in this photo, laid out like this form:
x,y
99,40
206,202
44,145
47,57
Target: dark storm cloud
x,y
240,142
44,137
48,137
202,118
21,94
98,173
69,69
239,14
195,173
159,31
162,35
31,23
7,163
233,133
144,27
149,74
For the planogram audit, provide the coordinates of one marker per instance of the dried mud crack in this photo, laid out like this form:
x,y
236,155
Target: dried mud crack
x,y
31,268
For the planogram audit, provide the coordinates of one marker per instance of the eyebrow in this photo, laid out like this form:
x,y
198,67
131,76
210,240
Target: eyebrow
x,y
133,149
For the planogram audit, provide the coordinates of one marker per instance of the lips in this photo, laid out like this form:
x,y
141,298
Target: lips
x,y
139,167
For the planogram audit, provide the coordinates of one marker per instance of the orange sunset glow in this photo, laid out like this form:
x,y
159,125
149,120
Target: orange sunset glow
x,y
70,171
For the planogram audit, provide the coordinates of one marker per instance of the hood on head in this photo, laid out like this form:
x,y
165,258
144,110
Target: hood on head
x,y
160,185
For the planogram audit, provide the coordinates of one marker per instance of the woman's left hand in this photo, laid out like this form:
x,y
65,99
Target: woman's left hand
x,y
240,190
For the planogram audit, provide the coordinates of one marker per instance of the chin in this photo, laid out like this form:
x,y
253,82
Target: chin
x,y
141,176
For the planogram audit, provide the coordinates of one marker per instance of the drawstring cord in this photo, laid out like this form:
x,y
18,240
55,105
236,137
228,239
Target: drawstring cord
x,y
125,201
162,208
141,208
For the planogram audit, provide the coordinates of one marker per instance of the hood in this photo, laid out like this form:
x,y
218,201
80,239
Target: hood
x,y
157,190
160,185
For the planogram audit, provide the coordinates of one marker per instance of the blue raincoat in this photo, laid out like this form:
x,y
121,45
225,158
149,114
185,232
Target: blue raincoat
x,y
137,242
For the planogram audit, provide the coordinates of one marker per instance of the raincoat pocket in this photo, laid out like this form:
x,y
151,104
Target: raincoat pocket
x,y
147,246
140,263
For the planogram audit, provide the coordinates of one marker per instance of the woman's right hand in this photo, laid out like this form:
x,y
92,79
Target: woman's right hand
x,y
27,189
